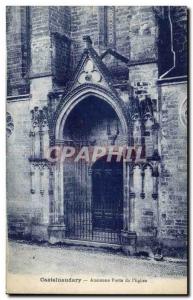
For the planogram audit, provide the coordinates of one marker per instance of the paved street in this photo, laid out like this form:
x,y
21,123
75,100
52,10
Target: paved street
x,y
41,259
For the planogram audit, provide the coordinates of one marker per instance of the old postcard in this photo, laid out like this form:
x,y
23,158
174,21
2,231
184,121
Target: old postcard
x,y
96,127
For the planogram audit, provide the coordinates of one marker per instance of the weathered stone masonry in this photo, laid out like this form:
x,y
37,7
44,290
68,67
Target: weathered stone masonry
x,y
130,64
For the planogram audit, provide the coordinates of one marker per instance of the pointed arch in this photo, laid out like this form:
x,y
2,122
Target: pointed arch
x,y
80,93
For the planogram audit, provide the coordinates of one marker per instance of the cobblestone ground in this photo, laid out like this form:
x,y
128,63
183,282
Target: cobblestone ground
x,y
41,259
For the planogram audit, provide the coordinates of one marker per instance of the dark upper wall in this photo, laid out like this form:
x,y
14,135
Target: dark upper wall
x,y
131,31
172,43
48,40
60,30
18,50
179,15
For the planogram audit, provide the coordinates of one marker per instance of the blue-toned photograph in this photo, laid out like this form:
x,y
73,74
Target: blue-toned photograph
x,y
97,144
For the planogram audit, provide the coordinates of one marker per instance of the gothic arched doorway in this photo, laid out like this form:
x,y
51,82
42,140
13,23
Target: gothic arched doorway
x,y
107,197
93,191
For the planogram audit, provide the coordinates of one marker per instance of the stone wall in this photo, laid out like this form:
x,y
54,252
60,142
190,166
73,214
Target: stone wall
x,y
58,31
122,24
173,39
132,31
145,73
19,206
18,50
40,42
165,54
60,19
143,35
84,21
173,173
179,16
61,60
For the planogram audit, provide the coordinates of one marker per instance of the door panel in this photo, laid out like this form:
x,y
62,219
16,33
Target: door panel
x,y
107,196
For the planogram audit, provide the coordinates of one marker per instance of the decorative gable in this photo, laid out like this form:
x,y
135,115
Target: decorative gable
x,y
89,73
112,54
91,69
116,64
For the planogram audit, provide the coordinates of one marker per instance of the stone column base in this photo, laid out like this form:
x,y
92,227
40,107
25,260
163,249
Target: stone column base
x,y
39,232
128,241
57,233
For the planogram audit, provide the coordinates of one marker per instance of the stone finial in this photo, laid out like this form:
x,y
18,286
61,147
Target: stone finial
x,y
88,41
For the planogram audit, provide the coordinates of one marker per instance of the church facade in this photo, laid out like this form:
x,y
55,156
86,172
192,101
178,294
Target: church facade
x,y
86,82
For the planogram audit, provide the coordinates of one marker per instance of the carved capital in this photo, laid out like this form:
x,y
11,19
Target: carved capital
x,y
39,117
